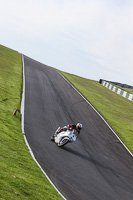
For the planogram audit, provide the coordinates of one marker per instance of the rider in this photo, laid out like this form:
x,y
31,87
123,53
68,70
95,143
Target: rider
x,y
71,127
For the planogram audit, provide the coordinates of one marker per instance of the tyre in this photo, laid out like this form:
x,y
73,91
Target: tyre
x,y
63,142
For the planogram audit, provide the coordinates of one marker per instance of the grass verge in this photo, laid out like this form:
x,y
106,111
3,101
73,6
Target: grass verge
x,y
20,177
128,90
117,110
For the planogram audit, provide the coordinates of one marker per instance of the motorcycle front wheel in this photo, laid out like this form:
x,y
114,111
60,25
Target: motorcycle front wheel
x,y
63,142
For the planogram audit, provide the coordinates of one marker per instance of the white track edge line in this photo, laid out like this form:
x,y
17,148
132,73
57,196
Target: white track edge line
x,y
98,114
22,127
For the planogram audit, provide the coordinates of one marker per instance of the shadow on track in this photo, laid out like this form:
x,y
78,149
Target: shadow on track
x,y
99,165
76,153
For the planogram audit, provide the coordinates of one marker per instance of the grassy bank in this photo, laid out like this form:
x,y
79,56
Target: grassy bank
x,y
128,90
117,110
20,178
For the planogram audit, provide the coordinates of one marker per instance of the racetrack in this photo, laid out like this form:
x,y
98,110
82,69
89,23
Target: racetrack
x,y
96,166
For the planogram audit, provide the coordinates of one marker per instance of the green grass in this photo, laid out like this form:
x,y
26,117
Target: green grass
x,y
129,90
126,89
20,177
117,110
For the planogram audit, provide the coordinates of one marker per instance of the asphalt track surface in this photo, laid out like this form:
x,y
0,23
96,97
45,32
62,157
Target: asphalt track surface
x,y
96,166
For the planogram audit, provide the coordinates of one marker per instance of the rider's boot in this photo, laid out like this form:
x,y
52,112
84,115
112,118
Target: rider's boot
x,y
55,134
52,137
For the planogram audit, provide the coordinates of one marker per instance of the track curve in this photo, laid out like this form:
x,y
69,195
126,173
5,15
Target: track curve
x,y
96,166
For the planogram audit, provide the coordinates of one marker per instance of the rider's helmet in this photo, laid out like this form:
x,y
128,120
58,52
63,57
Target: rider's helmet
x,y
79,126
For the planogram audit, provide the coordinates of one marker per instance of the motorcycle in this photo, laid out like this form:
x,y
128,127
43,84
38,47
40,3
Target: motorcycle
x,y
64,137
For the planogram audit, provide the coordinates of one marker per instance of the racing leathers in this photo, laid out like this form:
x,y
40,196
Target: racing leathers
x,y
70,127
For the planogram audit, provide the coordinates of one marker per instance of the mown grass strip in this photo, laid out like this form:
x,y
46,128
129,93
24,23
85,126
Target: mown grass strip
x,y
20,177
116,110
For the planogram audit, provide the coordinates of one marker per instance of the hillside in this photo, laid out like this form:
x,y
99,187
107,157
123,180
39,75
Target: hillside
x,y
116,110
20,177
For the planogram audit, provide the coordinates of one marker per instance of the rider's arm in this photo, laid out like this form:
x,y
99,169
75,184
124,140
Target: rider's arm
x,y
65,128
78,132
71,127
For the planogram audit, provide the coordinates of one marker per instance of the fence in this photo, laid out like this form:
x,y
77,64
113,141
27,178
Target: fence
x,y
118,90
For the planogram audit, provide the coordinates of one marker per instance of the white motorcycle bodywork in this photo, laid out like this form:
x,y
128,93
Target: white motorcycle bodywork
x,y
68,136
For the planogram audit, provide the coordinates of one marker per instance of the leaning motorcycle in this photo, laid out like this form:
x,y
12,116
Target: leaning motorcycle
x,y
65,137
